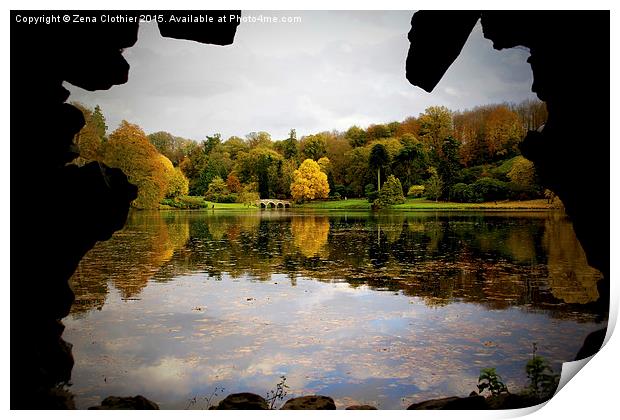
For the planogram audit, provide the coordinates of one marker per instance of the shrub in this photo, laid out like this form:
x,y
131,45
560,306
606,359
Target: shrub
x,y
217,189
228,198
391,193
489,189
463,193
543,382
248,198
185,202
416,191
491,381
470,175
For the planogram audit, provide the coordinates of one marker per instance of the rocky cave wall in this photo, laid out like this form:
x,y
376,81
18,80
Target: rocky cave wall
x,y
60,211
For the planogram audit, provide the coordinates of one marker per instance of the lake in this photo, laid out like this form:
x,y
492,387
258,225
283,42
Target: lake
x,y
385,310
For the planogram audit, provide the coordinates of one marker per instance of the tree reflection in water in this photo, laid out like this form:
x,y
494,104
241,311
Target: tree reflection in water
x,y
494,259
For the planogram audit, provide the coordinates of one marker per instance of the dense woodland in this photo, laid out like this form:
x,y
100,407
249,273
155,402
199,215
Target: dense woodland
x,y
464,156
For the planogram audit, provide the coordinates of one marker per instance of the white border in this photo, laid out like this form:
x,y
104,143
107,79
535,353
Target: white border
x,y
591,395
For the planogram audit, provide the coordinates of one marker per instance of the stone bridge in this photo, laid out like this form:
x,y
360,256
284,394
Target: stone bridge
x,y
270,203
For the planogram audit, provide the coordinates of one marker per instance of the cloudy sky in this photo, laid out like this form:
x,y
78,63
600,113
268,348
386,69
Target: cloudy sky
x,y
333,70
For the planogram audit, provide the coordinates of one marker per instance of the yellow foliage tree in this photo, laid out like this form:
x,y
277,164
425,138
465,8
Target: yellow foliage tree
x,y
129,150
309,182
310,234
177,182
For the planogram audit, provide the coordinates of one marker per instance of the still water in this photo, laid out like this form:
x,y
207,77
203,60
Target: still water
x,y
383,310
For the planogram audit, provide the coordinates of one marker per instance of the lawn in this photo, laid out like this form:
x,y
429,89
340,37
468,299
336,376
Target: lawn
x,y
229,206
423,204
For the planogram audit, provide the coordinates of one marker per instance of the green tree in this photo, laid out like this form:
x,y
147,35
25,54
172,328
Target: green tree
x,y
449,164
391,193
378,160
356,136
217,189
357,173
314,146
290,146
234,145
433,187
409,164
263,166
309,182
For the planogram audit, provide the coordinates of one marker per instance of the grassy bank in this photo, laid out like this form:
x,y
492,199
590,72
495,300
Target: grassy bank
x,y
229,206
411,204
422,204
199,203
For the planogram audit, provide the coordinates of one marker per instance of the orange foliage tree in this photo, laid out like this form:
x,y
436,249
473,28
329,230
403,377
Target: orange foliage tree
x,y
129,150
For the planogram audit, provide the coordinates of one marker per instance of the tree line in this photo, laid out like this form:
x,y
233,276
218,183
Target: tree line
x,y
467,156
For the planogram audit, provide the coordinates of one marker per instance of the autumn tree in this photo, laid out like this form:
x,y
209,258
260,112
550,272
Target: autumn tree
x,y
91,137
259,139
522,172
337,149
502,132
532,113
129,150
410,125
378,131
233,184
523,179
173,147
309,182
435,126
177,183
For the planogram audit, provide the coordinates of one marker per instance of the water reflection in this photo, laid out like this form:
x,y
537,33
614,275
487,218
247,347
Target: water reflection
x,y
495,260
128,260
383,310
